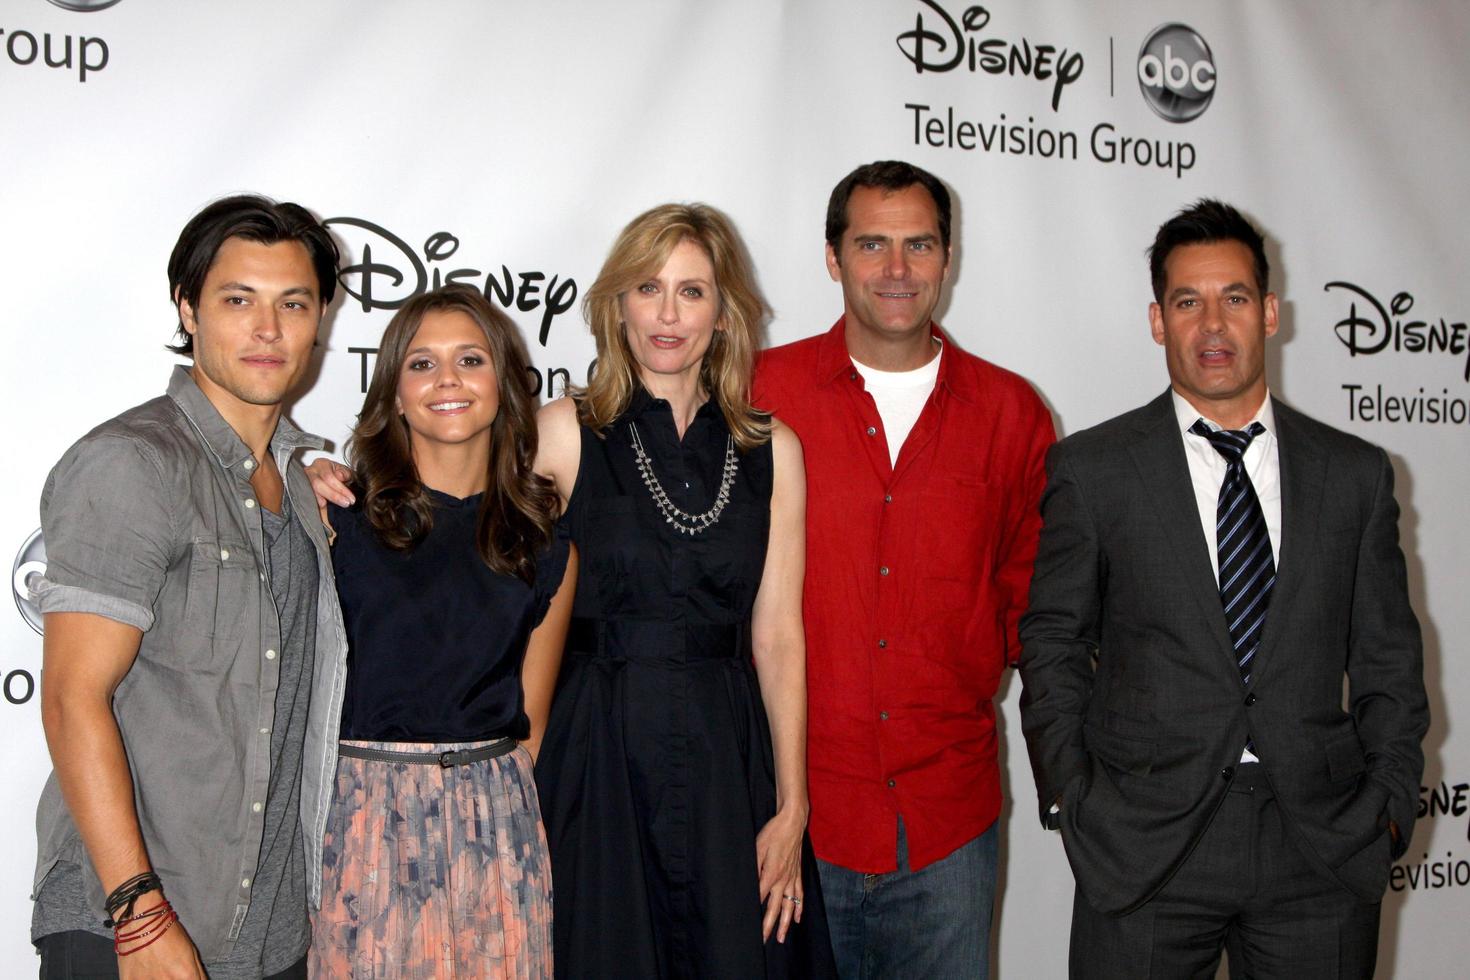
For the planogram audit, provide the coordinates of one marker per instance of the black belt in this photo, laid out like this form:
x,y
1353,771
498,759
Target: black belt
x,y
653,640
445,760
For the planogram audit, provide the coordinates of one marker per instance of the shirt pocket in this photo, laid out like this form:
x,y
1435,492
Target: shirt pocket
x,y
956,534
222,575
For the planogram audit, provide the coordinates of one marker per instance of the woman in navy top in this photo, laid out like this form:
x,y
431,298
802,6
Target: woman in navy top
x,y
451,580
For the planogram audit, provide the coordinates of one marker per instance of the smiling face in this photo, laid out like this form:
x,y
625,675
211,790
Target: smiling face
x,y
448,390
255,324
670,319
892,262
1213,323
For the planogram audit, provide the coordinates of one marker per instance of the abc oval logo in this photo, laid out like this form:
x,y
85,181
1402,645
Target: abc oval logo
x,y
84,6
1176,72
30,565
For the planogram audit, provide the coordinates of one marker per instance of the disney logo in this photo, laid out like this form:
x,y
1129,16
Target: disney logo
x,y
390,273
958,43
1379,327
1445,800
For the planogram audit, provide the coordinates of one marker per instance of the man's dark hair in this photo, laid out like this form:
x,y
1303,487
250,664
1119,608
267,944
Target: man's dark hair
x,y
255,219
888,175
1205,222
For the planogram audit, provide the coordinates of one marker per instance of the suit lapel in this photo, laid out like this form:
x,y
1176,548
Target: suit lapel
x,y
1158,452
1303,479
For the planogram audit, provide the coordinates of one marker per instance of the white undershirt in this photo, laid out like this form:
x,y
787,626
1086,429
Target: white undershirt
x,y
900,397
1207,473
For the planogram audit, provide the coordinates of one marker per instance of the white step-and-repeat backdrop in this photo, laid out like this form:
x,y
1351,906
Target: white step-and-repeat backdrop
x,y
505,144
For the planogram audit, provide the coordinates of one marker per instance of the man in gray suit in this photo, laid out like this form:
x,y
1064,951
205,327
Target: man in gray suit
x,y
1211,567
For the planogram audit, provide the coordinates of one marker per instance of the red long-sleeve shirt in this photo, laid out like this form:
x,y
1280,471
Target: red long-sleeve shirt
x,y
916,576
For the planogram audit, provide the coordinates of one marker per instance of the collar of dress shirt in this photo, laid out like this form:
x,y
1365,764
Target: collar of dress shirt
x,y
1185,414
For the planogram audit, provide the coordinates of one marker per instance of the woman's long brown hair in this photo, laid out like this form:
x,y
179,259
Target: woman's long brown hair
x,y
519,507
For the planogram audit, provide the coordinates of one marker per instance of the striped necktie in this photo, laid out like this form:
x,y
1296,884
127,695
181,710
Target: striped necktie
x,y
1247,570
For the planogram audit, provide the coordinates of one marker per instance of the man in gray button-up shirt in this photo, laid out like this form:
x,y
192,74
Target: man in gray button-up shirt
x,y
190,697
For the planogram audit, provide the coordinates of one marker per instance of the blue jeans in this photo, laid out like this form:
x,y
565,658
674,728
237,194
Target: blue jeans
x,y
934,922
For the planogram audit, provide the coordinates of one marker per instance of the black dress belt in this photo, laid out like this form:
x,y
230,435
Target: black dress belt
x,y
655,640
445,760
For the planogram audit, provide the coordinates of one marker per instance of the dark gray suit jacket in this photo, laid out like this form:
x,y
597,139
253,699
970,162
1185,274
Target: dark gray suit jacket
x,y
1133,707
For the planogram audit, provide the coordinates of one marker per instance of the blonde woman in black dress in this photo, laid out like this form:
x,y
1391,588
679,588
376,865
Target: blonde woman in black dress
x,y
673,772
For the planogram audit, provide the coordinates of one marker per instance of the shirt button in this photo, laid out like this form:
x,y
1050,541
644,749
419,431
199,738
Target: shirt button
x,y
882,644
883,716
244,882
852,376
265,731
888,498
250,464
883,570
270,655
262,576
255,808
224,554
872,431
249,503
892,783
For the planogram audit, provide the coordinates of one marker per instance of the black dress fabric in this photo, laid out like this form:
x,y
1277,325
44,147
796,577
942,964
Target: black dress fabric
x,y
436,638
656,772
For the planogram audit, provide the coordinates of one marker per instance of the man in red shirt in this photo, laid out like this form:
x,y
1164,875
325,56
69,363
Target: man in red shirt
x,y
925,465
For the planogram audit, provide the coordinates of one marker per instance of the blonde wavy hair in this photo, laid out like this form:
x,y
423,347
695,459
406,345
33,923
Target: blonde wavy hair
x,y
638,254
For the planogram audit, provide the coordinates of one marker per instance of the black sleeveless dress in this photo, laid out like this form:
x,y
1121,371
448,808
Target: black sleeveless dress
x,y
656,771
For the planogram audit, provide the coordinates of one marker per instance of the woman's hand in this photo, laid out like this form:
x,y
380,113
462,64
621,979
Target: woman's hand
x,y
778,859
330,481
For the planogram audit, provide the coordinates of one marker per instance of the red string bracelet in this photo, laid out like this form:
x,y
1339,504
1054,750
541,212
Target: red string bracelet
x,y
148,933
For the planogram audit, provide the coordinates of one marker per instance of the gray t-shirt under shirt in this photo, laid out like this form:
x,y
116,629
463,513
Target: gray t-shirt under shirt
x,y
275,933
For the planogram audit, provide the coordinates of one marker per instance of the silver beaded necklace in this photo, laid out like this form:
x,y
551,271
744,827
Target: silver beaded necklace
x,y
682,522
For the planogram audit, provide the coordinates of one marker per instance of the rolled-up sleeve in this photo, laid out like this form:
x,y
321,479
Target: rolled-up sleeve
x,y
108,530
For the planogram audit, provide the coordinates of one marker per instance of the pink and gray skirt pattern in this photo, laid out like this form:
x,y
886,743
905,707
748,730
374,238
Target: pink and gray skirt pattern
x,y
432,872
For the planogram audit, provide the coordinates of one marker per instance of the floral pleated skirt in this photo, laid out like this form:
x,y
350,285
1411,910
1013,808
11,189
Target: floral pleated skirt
x,y
433,872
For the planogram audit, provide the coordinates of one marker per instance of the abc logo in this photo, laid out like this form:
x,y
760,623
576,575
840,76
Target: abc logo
x,y
84,6
30,565
1176,72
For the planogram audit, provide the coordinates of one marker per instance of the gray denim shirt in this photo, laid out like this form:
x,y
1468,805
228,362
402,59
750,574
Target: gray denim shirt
x,y
150,520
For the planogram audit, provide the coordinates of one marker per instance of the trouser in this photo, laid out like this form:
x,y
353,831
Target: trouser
x,y
934,922
1246,888
82,955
